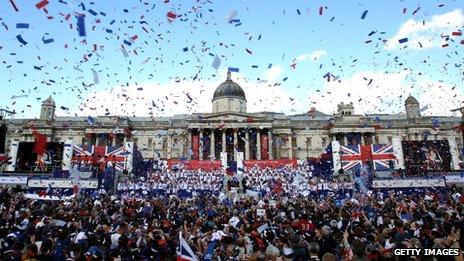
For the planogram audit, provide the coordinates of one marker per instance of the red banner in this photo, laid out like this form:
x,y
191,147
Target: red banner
x,y
264,147
197,164
40,142
195,146
269,163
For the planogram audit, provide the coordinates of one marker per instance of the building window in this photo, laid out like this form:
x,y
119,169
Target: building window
x,y
324,142
165,144
435,136
368,140
390,139
308,142
150,143
135,141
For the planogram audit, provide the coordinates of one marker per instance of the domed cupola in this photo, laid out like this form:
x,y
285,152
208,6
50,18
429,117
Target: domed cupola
x,y
229,97
47,111
412,108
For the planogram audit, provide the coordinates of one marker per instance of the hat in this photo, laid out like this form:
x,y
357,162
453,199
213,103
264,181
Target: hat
x,y
272,251
287,252
327,230
333,223
23,224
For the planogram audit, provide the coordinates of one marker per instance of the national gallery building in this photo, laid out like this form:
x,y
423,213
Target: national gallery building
x,y
230,128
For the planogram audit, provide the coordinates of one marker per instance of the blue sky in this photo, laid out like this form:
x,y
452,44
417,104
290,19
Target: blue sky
x,y
157,58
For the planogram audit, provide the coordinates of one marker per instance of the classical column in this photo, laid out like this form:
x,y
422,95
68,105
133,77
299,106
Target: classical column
x,y
258,145
212,145
189,144
97,139
363,139
290,149
269,142
278,146
224,140
169,147
345,139
247,145
200,153
235,144
113,141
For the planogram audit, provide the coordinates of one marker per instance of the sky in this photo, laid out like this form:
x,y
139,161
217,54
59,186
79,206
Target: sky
x,y
155,58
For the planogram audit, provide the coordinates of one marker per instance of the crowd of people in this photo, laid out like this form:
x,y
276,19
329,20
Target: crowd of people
x,y
294,215
184,182
288,181
109,227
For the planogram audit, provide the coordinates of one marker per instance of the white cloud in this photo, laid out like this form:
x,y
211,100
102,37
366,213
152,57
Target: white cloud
x,y
427,33
386,93
171,98
314,56
273,73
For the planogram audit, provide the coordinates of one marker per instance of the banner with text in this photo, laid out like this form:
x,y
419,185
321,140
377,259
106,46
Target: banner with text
x,y
196,164
270,163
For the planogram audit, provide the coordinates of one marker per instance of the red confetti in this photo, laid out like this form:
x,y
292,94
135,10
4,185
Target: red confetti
x,y
171,15
133,38
456,33
14,5
445,45
321,9
462,41
41,4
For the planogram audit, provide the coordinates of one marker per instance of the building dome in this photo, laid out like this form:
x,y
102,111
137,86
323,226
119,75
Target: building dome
x,y
229,89
411,100
49,102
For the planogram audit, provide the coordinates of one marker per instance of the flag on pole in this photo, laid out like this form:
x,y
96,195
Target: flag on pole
x,y
185,252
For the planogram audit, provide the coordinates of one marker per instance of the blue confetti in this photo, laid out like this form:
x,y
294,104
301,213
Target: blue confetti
x,y
92,12
233,69
47,41
20,39
22,25
81,25
404,40
364,14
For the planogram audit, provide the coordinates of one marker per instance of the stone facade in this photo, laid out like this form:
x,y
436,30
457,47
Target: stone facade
x,y
231,129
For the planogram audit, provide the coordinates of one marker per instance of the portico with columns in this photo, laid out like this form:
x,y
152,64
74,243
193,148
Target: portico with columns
x,y
253,140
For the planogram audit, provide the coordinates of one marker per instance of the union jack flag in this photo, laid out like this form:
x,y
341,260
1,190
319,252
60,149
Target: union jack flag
x,y
96,154
354,156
